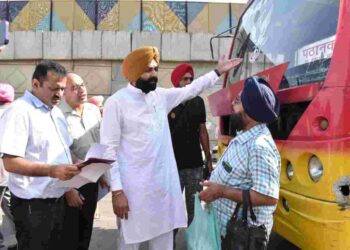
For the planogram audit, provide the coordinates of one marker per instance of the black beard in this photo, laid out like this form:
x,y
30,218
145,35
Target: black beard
x,y
147,85
237,122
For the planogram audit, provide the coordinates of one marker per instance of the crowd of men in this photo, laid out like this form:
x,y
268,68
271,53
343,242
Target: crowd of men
x,y
155,135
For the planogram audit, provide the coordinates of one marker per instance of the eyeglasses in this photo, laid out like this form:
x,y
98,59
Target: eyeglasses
x,y
78,87
150,69
187,78
237,100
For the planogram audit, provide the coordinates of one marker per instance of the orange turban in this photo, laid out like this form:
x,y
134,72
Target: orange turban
x,y
135,64
179,72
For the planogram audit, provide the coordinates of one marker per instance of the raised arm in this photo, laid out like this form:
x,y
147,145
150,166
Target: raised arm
x,y
175,96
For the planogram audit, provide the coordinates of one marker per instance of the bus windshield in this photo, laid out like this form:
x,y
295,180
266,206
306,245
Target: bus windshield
x,y
300,32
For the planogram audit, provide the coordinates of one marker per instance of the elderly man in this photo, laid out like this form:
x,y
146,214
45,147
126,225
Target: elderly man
x,y
83,124
35,143
188,134
146,192
251,161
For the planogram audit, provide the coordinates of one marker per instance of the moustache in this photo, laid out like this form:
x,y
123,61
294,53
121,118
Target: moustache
x,y
153,80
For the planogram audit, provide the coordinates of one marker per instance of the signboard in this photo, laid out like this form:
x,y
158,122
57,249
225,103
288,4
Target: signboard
x,y
322,49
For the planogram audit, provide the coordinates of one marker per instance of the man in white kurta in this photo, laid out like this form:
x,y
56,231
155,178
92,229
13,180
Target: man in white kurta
x,y
145,183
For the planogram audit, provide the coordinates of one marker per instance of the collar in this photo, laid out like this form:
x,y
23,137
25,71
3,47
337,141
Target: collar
x,y
36,101
135,90
243,137
68,109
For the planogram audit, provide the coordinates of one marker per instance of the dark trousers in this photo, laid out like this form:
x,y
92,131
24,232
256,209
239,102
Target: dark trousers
x,y
5,196
78,222
38,222
189,180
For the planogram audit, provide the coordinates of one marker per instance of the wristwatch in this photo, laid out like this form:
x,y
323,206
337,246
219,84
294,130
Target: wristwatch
x,y
217,72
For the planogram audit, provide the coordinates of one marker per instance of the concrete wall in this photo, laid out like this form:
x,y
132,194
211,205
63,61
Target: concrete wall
x,y
97,57
110,45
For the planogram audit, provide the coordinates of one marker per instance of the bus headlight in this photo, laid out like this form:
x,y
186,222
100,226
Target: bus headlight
x,y
315,168
290,171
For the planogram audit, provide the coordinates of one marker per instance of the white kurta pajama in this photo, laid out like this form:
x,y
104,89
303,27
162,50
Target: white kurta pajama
x,y
135,127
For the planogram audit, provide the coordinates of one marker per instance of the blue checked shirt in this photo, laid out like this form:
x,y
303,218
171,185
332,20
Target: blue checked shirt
x,y
251,161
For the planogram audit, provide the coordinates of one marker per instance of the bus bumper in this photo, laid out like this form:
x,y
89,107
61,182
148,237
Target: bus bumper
x,y
312,224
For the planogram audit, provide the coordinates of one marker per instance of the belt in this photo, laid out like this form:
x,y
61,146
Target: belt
x,y
38,200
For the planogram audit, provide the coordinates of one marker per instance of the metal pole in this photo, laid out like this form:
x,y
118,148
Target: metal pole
x,y
141,15
8,11
186,7
230,13
96,14
51,12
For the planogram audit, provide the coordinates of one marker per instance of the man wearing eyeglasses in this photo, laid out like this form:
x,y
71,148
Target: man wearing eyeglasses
x,y
83,121
188,134
146,191
34,141
251,160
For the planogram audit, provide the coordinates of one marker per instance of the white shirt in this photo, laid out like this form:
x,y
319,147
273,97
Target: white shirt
x,y
135,127
3,173
38,134
85,130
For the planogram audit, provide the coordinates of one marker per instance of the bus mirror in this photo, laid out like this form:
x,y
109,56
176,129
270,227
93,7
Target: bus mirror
x,y
219,36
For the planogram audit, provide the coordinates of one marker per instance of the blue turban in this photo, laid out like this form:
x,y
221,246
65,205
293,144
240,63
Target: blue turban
x,y
259,101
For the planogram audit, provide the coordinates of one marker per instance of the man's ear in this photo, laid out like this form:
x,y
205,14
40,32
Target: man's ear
x,y
35,84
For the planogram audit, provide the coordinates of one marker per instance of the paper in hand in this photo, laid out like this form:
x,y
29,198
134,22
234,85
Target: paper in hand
x,y
93,160
92,168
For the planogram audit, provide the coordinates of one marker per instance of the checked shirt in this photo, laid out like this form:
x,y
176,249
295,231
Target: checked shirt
x,y
251,161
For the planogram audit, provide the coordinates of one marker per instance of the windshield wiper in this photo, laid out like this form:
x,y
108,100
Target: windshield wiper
x,y
240,54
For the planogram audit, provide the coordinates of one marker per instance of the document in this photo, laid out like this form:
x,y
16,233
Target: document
x,y
93,160
94,166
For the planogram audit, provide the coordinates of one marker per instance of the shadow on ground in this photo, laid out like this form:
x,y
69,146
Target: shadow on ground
x,y
104,239
278,243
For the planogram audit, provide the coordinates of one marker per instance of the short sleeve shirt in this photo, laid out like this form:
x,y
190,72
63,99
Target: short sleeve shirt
x,y
184,123
31,130
84,129
251,161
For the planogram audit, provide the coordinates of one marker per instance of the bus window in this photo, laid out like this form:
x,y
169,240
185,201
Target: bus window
x,y
272,32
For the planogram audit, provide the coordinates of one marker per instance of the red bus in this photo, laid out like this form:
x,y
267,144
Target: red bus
x,y
302,47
